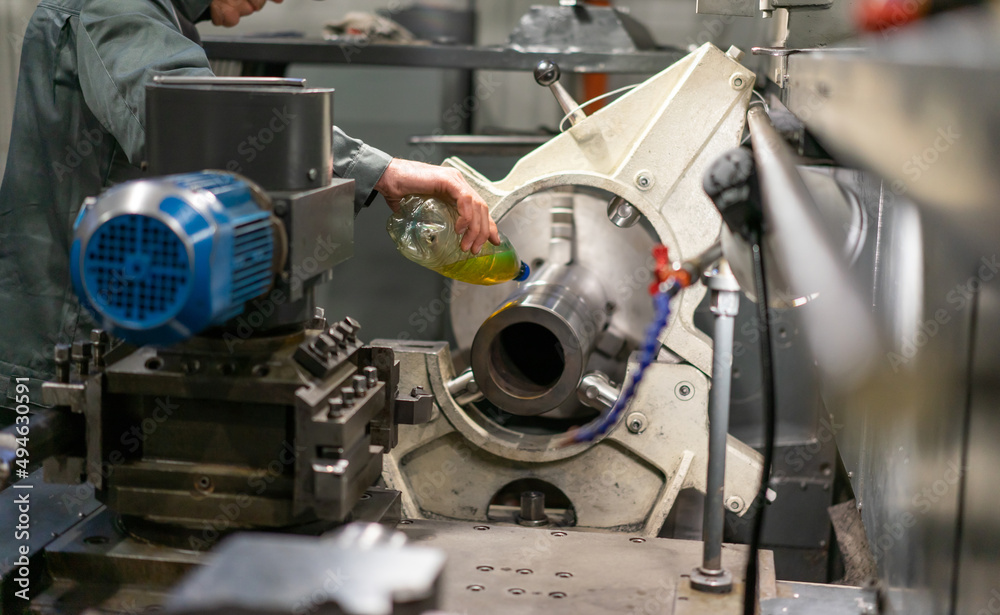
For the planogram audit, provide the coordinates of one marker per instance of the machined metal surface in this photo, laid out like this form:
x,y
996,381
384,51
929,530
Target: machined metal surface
x,y
530,355
494,569
455,465
622,279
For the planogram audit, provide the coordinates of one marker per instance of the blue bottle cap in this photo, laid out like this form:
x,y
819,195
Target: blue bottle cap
x,y
523,274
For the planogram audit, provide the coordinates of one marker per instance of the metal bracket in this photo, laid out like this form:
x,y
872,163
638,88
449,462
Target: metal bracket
x,y
415,408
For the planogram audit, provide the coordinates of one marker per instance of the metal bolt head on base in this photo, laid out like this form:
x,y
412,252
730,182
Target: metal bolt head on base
x,y
533,509
712,581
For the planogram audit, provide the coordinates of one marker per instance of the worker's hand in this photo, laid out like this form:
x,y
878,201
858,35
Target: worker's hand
x,y
403,177
229,12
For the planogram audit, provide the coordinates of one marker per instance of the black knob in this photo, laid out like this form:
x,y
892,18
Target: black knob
x,y
731,183
547,73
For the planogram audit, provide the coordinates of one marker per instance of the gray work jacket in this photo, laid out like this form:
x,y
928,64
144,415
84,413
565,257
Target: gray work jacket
x,y
79,127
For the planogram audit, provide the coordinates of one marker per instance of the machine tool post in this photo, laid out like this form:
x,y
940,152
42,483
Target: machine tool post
x,y
725,303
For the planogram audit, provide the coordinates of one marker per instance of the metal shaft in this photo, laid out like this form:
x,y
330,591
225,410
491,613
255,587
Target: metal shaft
x,y
725,302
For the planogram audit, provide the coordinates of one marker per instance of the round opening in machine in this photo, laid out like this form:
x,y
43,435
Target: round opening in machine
x,y
526,359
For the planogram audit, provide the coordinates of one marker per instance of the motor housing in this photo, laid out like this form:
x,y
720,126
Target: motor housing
x,y
158,261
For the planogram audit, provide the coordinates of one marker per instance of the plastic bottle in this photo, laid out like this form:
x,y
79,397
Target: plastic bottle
x,y
424,231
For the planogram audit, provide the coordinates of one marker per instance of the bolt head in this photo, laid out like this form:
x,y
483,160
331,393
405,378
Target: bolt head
x,y
636,422
684,391
62,353
735,503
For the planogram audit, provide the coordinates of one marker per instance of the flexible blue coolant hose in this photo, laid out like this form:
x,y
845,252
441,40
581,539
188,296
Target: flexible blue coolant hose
x,y
650,348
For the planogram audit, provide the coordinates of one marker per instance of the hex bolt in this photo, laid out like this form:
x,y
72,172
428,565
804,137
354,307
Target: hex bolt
x,y
350,328
636,422
335,407
371,376
101,341
338,338
348,394
322,345
360,384
81,353
532,509
62,356
318,319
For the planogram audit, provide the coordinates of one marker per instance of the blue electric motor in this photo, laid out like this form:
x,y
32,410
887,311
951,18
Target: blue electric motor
x,y
158,261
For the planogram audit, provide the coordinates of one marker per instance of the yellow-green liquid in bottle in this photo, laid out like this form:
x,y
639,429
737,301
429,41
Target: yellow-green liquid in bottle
x,y
484,269
424,231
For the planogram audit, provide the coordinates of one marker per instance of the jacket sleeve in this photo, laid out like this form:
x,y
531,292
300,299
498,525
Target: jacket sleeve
x,y
353,159
121,46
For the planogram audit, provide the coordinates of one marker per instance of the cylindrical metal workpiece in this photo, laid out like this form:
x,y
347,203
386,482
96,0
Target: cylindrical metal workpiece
x,y
530,355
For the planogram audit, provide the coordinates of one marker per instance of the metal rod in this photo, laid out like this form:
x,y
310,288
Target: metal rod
x,y
725,304
840,330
